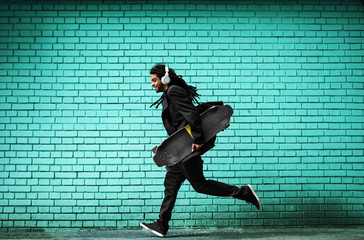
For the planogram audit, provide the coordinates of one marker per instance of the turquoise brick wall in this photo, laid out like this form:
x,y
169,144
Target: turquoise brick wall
x,y
76,127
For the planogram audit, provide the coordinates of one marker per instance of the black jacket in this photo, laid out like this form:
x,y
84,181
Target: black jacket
x,y
179,111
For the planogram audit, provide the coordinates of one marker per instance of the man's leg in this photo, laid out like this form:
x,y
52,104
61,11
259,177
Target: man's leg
x,y
193,170
172,183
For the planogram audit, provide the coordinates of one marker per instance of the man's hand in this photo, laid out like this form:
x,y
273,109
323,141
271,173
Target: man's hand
x,y
196,147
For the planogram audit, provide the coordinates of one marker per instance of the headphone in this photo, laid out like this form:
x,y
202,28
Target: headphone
x,y
166,79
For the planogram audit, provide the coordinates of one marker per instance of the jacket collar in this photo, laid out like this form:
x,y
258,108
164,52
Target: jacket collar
x,y
165,101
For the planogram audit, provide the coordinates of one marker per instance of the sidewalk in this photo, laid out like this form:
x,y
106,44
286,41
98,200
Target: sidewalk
x,y
354,233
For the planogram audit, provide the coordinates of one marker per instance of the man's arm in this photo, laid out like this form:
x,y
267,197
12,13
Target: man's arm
x,y
179,97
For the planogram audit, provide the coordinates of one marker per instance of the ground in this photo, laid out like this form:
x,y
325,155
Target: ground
x,y
352,233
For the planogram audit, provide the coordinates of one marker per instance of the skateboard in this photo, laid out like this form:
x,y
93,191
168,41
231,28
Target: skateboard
x,y
178,146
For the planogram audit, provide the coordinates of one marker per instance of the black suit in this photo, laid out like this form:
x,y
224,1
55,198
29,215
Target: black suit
x,y
178,111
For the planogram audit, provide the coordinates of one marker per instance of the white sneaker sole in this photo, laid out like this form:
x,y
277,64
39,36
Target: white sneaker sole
x,y
255,195
153,231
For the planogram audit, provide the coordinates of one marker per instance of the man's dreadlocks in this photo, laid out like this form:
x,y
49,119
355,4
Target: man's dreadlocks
x,y
159,70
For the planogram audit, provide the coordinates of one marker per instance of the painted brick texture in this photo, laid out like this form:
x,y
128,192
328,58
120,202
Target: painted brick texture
x,y
77,130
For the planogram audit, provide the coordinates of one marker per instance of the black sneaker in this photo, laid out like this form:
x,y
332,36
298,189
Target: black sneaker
x,y
251,197
155,228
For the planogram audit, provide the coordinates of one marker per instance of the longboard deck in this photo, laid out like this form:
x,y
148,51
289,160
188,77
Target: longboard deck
x,y
178,146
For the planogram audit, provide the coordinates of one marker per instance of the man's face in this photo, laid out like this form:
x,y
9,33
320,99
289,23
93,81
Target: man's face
x,y
157,83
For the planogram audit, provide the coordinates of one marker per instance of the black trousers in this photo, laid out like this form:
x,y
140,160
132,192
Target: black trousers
x,y
192,171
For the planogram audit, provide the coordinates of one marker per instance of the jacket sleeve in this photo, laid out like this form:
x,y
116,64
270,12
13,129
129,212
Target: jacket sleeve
x,y
185,107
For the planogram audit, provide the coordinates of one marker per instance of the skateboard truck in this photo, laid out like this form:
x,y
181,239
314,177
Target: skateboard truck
x,y
154,150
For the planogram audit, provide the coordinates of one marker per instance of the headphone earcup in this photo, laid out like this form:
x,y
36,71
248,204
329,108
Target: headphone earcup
x,y
165,79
